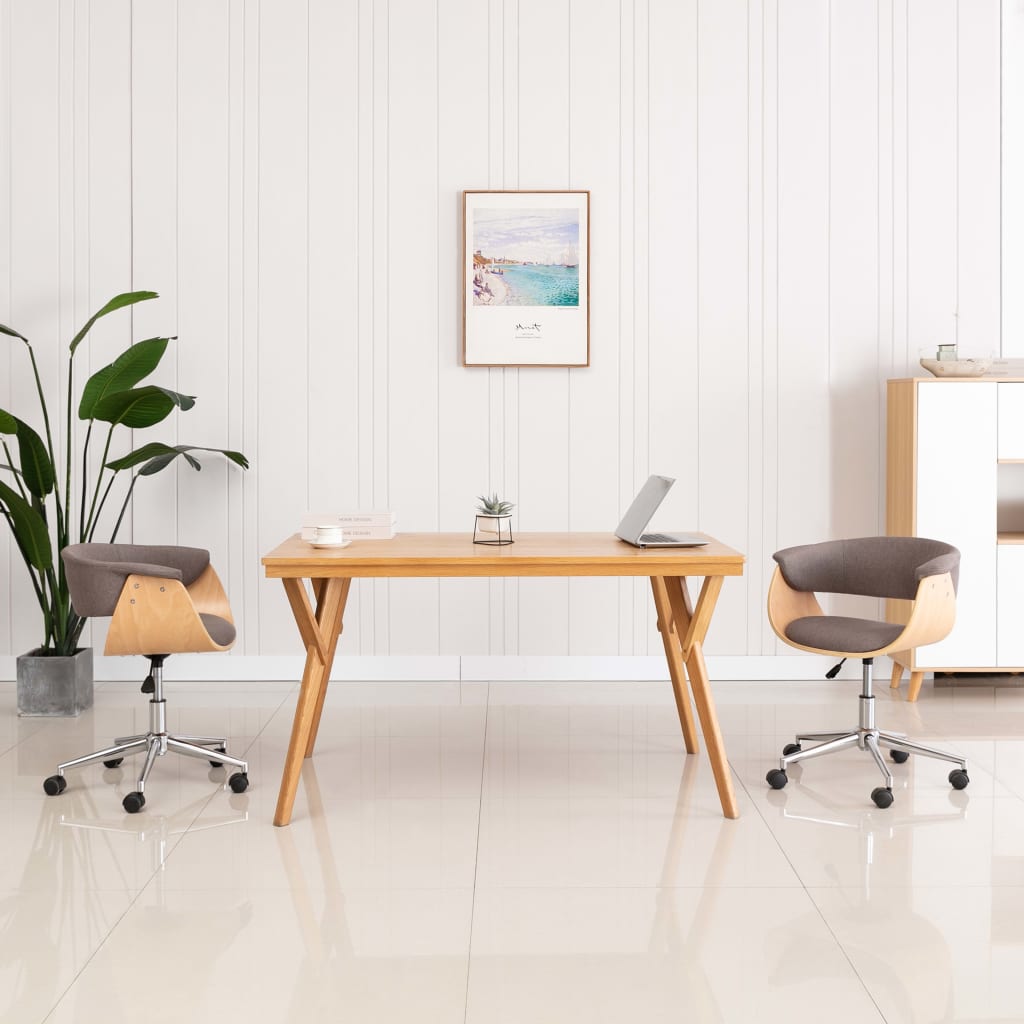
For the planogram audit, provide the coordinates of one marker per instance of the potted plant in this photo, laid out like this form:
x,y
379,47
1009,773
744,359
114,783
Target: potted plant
x,y
493,515
47,507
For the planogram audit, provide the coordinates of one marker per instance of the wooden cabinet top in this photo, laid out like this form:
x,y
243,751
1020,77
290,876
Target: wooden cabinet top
x,y
956,380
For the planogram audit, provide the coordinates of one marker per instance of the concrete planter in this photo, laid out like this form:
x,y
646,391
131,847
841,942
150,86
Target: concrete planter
x,y
52,686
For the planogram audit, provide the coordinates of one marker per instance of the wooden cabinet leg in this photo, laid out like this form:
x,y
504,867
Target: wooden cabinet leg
x,y
916,679
897,675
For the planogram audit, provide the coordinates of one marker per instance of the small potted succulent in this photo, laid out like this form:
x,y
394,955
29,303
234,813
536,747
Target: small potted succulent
x,y
493,515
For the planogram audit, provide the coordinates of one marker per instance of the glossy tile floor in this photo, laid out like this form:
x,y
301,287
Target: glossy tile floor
x,y
515,854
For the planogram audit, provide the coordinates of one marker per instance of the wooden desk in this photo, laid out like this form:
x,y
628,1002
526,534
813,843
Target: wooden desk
x,y
683,624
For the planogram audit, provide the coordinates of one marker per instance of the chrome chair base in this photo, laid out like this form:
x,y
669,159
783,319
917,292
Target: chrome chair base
x,y
156,743
866,737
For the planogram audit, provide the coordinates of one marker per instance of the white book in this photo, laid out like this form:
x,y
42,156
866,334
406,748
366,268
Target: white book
x,y
312,519
348,522
370,518
369,532
355,532
367,518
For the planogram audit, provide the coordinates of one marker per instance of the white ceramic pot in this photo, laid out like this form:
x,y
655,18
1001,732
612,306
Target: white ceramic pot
x,y
490,524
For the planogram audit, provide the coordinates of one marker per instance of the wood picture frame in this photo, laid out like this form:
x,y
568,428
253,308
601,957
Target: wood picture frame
x,y
526,277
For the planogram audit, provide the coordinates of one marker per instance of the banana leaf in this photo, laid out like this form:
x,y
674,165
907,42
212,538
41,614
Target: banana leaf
x,y
117,302
123,373
140,407
30,529
157,456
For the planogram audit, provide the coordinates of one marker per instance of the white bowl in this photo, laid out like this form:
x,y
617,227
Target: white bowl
x,y
957,367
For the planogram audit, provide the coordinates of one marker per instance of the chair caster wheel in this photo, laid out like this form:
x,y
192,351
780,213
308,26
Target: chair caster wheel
x,y
114,762
899,756
55,785
882,797
776,778
791,748
134,802
239,782
958,778
218,764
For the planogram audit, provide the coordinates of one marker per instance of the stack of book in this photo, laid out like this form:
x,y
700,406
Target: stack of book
x,y
357,525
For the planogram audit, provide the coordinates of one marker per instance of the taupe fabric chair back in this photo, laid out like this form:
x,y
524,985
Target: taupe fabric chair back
x,y
96,572
889,567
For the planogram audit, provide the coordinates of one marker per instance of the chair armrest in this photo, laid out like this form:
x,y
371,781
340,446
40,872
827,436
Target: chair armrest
x,y
786,604
156,615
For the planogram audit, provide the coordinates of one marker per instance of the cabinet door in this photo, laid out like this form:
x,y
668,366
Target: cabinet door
x,y
1010,638
1011,421
956,503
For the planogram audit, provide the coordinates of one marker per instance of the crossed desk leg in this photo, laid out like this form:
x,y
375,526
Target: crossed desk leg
x,y
683,629
319,630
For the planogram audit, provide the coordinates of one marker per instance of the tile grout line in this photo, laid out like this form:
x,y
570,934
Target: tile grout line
x,y
476,855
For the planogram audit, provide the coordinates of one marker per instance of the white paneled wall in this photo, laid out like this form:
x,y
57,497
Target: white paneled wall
x,y
790,198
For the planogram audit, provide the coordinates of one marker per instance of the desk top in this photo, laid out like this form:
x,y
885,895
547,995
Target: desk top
x,y
532,554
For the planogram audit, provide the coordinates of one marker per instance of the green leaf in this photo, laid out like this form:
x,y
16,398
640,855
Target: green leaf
x,y
123,373
8,424
36,468
147,451
30,529
158,456
11,332
117,302
140,407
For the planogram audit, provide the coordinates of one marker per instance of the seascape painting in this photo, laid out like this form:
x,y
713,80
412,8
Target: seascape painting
x,y
525,277
526,257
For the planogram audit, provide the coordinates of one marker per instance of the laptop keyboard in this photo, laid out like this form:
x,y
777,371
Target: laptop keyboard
x,y
657,538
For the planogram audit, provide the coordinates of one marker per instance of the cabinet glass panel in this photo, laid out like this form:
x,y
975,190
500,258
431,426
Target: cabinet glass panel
x,y
1010,502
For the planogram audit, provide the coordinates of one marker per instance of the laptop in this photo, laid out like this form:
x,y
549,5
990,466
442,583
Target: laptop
x,y
639,514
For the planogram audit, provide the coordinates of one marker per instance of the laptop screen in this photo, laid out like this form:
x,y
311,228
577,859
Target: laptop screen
x,y
645,504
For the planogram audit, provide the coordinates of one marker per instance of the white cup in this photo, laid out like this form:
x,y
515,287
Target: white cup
x,y
328,533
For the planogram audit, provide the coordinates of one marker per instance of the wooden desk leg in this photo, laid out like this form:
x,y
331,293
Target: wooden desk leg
x,y
674,656
319,633
696,627
320,587
698,673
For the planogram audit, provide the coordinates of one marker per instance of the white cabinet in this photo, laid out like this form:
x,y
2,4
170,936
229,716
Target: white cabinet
x,y
955,472
1011,420
1010,627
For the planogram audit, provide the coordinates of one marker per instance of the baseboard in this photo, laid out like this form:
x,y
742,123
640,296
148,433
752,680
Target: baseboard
x,y
624,668
427,668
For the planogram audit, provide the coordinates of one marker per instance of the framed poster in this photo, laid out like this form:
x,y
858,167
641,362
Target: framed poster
x,y
526,278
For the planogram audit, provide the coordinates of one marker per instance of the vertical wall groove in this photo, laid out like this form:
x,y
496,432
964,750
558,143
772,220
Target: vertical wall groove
x,y
788,201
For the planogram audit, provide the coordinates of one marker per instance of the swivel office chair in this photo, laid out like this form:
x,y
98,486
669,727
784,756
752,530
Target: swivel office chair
x,y
161,599
909,568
